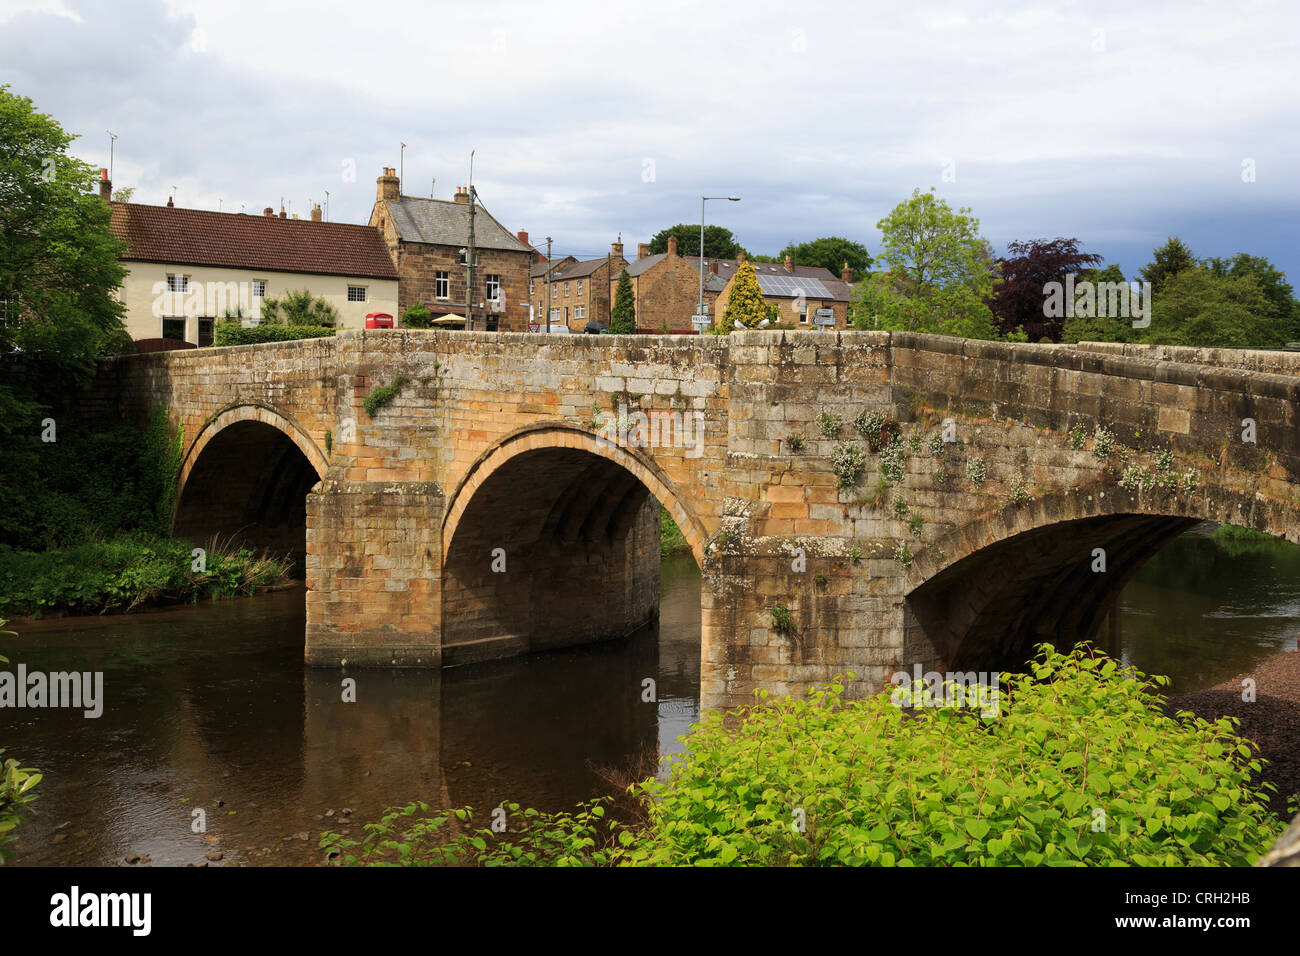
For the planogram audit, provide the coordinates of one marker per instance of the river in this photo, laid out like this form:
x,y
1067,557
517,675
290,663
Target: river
x,y
211,708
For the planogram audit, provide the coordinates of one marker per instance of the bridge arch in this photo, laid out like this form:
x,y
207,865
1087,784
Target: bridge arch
x,y
982,595
552,538
244,479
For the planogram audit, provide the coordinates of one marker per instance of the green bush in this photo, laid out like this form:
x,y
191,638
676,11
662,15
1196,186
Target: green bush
x,y
233,333
417,317
875,783
384,394
126,572
15,798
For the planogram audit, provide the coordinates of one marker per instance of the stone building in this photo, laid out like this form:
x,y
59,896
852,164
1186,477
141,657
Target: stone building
x,y
188,268
579,291
797,291
428,239
667,288
537,283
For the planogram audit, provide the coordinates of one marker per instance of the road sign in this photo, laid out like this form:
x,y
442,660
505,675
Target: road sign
x,y
701,322
824,317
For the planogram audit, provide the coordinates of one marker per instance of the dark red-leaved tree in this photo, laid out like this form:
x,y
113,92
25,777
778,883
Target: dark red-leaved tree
x,y
1026,270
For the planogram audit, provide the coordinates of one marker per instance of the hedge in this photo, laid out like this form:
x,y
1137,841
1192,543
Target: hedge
x,y
232,333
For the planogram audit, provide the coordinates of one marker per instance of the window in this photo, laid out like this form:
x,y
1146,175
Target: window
x,y
579,311
491,324
177,283
493,285
803,313
531,285
555,316
555,290
442,285
356,293
566,290
205,332
173,329
259,288
579,287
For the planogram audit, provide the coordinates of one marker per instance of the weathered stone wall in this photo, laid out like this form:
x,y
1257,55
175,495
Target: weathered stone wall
x,y
497,441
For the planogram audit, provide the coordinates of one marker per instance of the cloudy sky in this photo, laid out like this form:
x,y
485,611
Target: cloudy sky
x,y
1118,123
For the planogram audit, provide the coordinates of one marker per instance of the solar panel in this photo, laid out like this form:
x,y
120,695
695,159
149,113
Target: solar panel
x,y
790,287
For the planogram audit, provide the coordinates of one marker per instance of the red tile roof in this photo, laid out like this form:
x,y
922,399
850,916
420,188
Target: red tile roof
x,y
239,241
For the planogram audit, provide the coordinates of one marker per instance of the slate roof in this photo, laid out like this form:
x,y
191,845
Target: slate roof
x,y
201,237
538,269
580,270
635,269
446,222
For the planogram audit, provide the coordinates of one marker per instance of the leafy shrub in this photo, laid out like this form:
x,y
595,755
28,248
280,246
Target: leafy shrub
x,y
848,462
915,524
975,471
1103,443
384,394
945,786
795,442
782,623
828,424
299,308
877,428
1078,438
891,462
233,333
417,317
902,554
16,795
1019,491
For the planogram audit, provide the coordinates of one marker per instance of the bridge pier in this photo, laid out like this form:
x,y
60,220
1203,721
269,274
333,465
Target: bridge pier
x,y
374,561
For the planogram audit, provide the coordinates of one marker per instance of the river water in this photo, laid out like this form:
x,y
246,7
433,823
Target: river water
x,y
211,708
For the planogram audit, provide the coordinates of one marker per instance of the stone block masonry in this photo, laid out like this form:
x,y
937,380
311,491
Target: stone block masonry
x,y
485,510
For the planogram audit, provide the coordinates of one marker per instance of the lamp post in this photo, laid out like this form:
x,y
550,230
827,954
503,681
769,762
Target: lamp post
x,y
703,199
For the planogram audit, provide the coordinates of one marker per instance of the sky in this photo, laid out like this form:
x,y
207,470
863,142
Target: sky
x,y
1120,124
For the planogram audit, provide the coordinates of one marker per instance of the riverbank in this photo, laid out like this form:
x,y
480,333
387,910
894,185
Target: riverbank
x,y
126,572
671,539
1272,719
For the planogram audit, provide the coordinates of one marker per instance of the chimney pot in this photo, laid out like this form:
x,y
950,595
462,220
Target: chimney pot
x,y
282,214
462,195
522,236
846,274
672,245
713,266
616,248
170,203
642,250
315,212
789,263
740,257
268,212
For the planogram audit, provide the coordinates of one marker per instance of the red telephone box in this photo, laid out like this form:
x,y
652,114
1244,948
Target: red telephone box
x,y
379,320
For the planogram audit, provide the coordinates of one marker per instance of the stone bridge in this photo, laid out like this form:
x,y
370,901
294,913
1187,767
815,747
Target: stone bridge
x,y
502,503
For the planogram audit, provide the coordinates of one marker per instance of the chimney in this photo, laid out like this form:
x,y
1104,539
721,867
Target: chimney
x,y
522,236
315,212
295,216
740,257
642,250
789,264
616,248
672,245
268,212
170,203
388,186
713,266
282,213
846,274
105,186
462,194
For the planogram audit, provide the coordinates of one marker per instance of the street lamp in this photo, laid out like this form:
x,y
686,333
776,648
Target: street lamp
x,y
703,199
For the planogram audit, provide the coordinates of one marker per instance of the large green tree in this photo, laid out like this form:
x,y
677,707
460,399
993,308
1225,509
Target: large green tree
x,y
941,273
830,252
1103,328
1272,283
719,243
1167,261
622,318
1196,307
59,268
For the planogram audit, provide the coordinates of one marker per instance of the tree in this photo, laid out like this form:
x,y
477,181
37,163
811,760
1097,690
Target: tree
x,y
59,268
1196,307
719,243
1029,266
299,308
1102,328
746,304
622,319
124,194
1272,283
1169,260
831,253
941,273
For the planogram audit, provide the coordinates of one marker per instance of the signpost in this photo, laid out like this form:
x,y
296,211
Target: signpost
x,y
824,317
701,322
